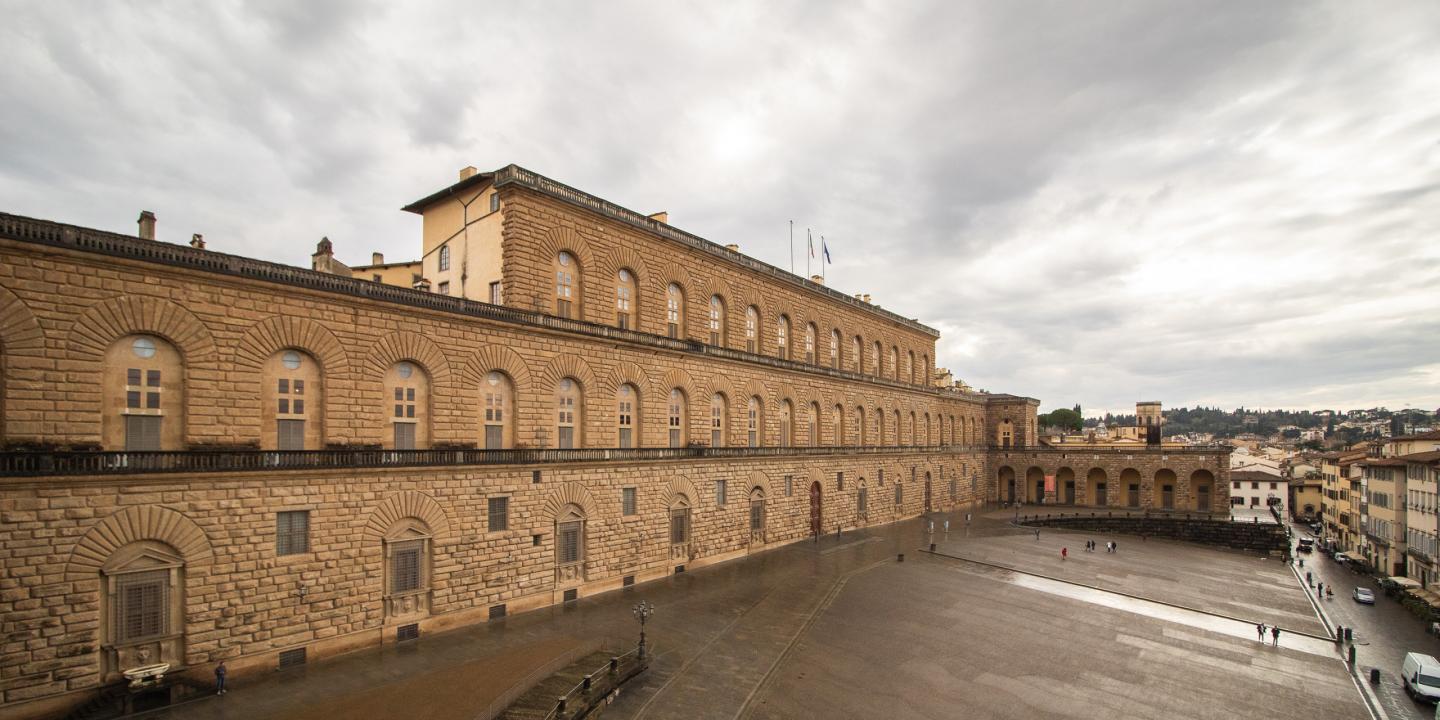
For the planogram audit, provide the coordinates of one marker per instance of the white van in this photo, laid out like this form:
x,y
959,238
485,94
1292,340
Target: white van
x,y
1421,674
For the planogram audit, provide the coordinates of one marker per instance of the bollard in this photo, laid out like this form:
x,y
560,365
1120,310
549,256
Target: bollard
x,y
1374,676
1352,654
614,664
900,557
1350,634
1339,635
586,685
932,547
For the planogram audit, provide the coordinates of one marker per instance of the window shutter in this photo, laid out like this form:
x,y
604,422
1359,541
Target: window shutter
x,y
405,567
404,436
290,434
142,433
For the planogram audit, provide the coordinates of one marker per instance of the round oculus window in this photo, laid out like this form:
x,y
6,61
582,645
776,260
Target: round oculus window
x,y
143,347
405,370
291,360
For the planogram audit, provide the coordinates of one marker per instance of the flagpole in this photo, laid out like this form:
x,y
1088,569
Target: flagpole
x,y
809,252
792,247
824,259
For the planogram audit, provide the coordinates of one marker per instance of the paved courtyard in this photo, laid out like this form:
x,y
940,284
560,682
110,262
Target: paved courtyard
x,y
840,629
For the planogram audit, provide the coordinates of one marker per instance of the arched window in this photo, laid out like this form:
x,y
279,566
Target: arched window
x,y
570,544
675,310
929,437
679,524
753,422
837,426
717,321
856,358
498,398
862,499
567,414
627,404
782,337
719,421
895,420
880,427
910,366
567,285
894,363
757,515
144,395
954,433
813,423
860,427
409,392
914,438
899,494
625,299
407,547
677,418
787,412
875,358
925,376
294,402
810,343
835,349
752,328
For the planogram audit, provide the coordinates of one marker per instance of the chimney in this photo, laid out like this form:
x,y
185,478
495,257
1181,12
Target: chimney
x,y
817,279
422,285
197,241
732,247
324,247
147,225
377,258
661,216
468,172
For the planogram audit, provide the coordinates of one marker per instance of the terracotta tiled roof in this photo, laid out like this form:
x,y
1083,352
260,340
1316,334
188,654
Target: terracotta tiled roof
x,y
1432,456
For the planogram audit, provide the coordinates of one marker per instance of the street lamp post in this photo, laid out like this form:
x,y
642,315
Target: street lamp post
x,y
643,610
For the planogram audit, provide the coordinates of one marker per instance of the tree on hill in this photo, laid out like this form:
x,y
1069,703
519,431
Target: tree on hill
x,y
1063,418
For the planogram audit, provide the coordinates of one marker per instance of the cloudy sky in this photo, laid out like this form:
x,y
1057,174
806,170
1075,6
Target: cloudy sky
x,y
1232,203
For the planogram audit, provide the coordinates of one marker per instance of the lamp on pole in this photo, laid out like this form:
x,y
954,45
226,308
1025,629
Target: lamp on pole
x,y
643,610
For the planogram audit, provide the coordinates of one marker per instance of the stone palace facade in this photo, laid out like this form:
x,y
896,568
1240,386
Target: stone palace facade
x,y
208,456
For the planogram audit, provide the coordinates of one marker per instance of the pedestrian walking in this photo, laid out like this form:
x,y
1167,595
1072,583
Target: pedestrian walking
x,y
1064,552
1319,589
1260,630
947,525
1114,547
1037,534
1275,633
1308,583
220,678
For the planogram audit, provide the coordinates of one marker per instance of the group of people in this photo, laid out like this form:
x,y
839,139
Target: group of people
x,y
1274,633
1090,546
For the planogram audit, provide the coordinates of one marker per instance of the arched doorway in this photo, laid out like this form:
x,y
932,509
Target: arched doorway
x,y
1007,484
927,491
1097,488
1130,483
815,508
1165,484
1065,485
1034,485
1202,483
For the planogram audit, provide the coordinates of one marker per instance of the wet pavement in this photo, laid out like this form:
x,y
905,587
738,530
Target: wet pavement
x,y
1384,632
840,629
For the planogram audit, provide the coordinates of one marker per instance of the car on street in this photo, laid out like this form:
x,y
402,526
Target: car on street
x,y
1306,545
1342,558
1421,675
1364,596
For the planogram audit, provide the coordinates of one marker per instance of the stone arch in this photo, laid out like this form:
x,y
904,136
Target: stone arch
x,y
405,345
1166,477
276,333
571,493
497,357
674,378
720,384
1034,484
679,486
109,320
564,366
627,373
1093,480
1130,476
21,331
1007,489
621,257
407,504
757,388
1066,490
564,238
762,481
133,524
1202,490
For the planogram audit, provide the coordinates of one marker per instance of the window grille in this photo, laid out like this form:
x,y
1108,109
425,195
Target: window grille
x,y
292,658
405,567
789,485
495,202
405,633
568,543
142,608
292,532
720,493
679,526
861,500
497,611
627,501
405,436
142,433
494,437
499,514
290,434
757,515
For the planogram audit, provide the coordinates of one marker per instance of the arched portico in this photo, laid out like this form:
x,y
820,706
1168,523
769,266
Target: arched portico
x,y
1007,484
1034,485
1065,485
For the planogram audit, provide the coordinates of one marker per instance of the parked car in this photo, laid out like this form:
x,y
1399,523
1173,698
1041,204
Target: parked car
x,y
1364,596
1305,545
1342,558
1421,675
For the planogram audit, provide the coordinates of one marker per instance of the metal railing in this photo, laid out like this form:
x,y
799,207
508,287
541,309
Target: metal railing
x,y
594,687
45,232
56,463
522,686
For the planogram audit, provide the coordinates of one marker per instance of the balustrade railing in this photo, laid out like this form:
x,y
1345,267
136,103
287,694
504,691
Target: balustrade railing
x,y
51,463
